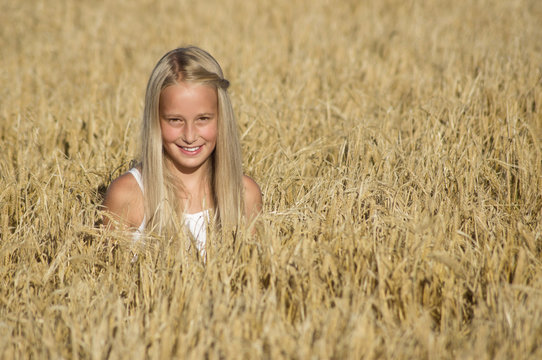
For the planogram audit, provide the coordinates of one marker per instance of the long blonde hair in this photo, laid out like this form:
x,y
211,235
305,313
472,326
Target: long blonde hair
x,y
193,65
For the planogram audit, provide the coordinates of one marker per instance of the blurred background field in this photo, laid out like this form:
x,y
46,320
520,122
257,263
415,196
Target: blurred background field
x,y
398,145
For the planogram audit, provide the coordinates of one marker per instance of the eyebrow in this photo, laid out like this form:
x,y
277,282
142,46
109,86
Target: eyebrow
x,y
179,115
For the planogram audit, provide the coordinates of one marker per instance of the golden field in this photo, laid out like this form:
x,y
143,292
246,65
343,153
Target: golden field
x,y
398,146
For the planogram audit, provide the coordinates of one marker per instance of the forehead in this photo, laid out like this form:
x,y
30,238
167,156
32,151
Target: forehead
x,y
183,95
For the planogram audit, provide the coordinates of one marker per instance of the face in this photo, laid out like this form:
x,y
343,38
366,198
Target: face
x,y
189,124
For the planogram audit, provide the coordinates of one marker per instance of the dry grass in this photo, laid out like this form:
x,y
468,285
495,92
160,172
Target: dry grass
x,y
397,144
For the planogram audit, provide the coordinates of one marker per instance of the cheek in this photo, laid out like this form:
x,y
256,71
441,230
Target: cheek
x,y
169,133
210,132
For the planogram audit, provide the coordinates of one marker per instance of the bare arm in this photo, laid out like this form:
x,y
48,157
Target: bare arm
x,y
123,203
253,198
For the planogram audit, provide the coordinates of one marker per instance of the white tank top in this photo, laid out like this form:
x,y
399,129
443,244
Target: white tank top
x,y
194,222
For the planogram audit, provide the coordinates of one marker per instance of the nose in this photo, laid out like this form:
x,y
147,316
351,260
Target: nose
x,y
189,134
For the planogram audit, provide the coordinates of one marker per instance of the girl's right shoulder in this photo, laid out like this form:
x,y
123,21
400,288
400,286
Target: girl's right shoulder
x,y
124,187
124,200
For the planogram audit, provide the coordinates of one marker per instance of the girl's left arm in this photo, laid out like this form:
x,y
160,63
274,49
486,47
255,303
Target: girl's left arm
x,y
253,198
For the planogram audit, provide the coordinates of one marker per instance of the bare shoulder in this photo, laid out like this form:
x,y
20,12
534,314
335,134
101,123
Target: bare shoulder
x,y
253,197
124,200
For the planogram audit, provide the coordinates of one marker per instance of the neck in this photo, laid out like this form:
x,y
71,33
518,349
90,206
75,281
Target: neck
x,y
195,191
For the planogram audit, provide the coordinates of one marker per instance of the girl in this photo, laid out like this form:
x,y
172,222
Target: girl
x,y
190,165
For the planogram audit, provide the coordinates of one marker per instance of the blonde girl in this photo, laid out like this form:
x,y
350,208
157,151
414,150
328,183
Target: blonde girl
x,y
190,167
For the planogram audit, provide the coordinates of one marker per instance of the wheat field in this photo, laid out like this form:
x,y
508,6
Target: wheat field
x,y
398,146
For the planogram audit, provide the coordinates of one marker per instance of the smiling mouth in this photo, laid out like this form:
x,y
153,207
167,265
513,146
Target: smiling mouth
x,y
190,150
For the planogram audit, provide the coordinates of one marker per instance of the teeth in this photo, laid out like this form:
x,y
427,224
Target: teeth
x,y
190,148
